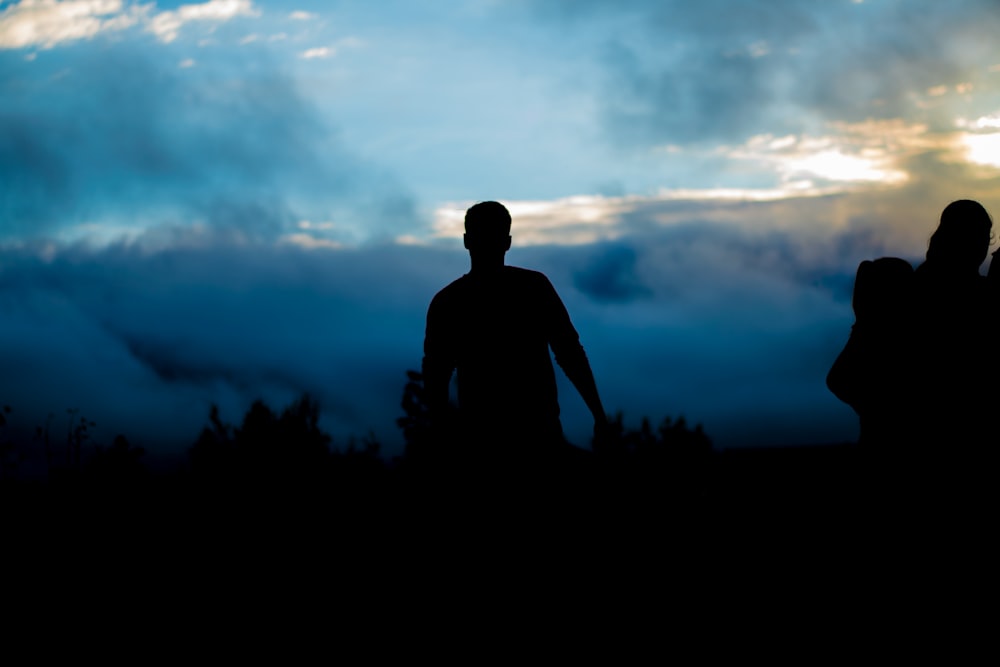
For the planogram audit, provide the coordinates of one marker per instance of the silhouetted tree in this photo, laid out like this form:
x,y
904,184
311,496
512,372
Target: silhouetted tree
x,y
425,440
287,453
415,422
213,454
674,460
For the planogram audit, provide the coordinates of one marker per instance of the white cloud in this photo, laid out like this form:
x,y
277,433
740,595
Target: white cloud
x,y
319,52
46,23
803,188
167,25
569,221
979,143
585,219
983,149
869,152
759,49
301,16
188,62
307,224
982,123
309,242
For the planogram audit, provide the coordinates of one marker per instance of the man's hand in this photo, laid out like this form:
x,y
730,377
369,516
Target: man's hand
x,y
605,433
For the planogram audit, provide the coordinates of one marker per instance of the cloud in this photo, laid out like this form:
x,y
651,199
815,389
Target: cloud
x,y
167,25
610,277
143,341
571,220
124,137
46,23
318,52
852,153
302,16
683,74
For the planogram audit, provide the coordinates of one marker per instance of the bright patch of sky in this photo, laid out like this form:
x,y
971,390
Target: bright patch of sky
x,y
521,102
525,102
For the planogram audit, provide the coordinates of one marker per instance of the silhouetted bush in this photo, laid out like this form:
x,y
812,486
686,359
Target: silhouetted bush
x,y
287,453
121,464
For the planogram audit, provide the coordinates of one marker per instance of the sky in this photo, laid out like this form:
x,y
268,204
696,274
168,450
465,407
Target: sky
x,y
216,202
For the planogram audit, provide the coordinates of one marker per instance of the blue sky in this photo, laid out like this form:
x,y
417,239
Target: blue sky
x,y
219,201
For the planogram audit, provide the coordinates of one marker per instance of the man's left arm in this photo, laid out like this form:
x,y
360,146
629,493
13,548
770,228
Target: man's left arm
x,y
565,343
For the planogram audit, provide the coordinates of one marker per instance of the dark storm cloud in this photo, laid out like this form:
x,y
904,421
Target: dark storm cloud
x,y
610,276
720,71
144,342
703,97
739,344
110,131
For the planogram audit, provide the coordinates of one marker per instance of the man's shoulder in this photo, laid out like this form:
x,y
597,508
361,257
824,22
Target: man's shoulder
x,y
522,274
452,291
455,285
514,277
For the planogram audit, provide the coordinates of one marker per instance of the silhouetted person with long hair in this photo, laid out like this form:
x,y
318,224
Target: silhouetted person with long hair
x,y
495,327
956,321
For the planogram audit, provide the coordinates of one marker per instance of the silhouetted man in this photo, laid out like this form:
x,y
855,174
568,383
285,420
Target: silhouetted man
x,y
495,326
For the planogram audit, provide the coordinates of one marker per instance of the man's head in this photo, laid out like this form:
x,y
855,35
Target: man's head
x,y
487,230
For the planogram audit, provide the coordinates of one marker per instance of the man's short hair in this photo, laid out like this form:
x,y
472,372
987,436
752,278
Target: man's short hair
x,y
489,218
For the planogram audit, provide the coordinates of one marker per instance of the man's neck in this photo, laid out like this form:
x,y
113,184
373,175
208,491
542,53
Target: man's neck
x,y
483,266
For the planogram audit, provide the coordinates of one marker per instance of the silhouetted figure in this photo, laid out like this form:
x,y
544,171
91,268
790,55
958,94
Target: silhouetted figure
x,y
495,327
956,322
913,368
874,373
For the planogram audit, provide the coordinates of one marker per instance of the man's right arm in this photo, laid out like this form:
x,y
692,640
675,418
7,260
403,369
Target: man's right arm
x,y
439,358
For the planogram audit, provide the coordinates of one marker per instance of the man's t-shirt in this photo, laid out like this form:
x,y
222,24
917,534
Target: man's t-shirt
x,y
496,331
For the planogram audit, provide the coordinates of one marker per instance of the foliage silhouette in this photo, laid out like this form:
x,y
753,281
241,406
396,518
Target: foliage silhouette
x,y
9,456
120,465
674,460
286,452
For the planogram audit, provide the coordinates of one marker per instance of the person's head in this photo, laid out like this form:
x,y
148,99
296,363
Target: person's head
x,y
881,292
487,230
963,236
